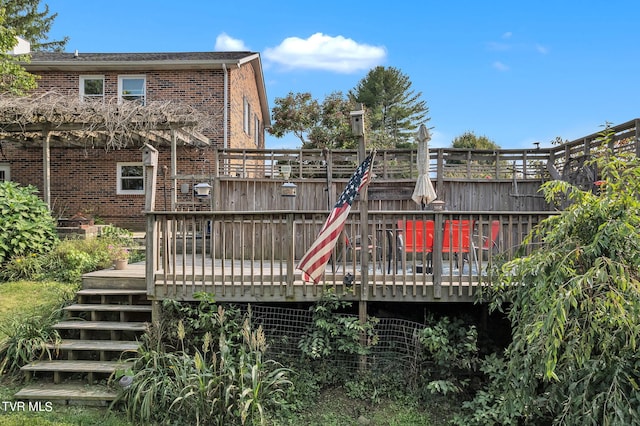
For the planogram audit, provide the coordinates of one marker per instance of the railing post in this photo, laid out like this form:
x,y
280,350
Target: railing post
x,y
151,249
437,255
291,253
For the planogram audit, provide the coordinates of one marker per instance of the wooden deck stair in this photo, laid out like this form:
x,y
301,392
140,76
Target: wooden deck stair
x,y
99,336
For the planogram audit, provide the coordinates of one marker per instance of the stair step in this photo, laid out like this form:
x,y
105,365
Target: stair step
x,y
73,391
101,325
111,292
94,307
77,366
95,345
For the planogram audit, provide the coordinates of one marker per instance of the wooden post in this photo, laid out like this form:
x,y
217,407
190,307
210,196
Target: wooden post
x,y
150,163
357,127
174,171
292,253
46,166
436,256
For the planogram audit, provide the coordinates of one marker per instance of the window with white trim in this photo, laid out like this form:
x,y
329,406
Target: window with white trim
x,y
5,173
246,116
256,130
132,88
130,178
92,87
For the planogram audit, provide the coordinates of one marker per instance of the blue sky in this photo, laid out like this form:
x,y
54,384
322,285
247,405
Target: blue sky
x,y
517,72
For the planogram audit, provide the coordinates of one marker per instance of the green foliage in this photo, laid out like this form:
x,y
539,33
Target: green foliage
x,y
332,333
14,80
26,225
70,258
218,382
325,124
116,235
74,257
470,140
26,340
32,24
394,109
450,354
574,306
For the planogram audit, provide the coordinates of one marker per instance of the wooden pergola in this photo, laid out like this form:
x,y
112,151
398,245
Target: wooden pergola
x,y
52,119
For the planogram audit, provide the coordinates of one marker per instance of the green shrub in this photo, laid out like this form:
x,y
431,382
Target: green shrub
x,y
27,339
450,355
29,267
26,225
224,381
332,333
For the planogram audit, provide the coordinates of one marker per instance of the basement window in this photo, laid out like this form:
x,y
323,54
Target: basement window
x,y
130,179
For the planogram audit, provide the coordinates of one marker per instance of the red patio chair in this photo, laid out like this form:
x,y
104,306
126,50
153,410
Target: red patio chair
x,y
458,241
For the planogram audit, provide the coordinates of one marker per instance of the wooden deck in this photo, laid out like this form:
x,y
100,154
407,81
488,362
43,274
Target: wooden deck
x,y
252,257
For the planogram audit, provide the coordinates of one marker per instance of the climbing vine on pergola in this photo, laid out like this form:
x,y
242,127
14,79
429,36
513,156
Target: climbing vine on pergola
x,y
56,119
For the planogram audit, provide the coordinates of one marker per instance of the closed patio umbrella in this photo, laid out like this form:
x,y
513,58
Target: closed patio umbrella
x,y
423,193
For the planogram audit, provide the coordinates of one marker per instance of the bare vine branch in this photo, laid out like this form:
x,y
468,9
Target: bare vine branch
x,y
116,125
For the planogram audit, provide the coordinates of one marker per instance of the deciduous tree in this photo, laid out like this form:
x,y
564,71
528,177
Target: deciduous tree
x,y
574,306
316,124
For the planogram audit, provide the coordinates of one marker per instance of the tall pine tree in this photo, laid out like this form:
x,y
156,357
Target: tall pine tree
x,y
394,109
14,79
31,24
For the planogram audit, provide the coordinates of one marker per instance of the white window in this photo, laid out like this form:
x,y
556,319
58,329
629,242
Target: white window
x,y
256,130
92,87
132,88
246,117
5,174
130,178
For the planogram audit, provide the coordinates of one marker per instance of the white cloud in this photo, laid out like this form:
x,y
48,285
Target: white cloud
x,y
225,43
500,66
320,51
507,35
542,49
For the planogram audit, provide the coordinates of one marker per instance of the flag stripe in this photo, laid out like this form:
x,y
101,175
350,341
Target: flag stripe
x,y
315,259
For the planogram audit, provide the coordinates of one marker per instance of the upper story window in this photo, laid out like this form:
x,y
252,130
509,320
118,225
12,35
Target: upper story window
x,y
130,178
132,88
246,116
256,130
92,87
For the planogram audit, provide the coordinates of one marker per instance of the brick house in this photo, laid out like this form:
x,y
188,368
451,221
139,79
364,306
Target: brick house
x,y
108,183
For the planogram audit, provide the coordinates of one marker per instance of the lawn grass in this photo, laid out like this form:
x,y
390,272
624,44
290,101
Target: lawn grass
x,y
22,298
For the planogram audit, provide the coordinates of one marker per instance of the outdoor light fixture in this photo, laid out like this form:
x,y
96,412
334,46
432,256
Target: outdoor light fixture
x,y
289,189
202,189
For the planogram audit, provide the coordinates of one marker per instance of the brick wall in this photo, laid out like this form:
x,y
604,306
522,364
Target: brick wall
x,y
85,180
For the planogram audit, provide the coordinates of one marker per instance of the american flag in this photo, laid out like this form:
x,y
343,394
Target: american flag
x,y
315,259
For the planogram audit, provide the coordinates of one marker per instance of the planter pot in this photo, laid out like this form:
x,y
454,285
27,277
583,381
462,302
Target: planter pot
x,y
120,264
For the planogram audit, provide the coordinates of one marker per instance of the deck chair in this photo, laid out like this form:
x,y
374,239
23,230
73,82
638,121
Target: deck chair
x,y
457,240
491,242
352,247
417,237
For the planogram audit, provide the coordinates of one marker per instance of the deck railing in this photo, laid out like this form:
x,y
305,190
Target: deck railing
x,y
445,163
252,256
